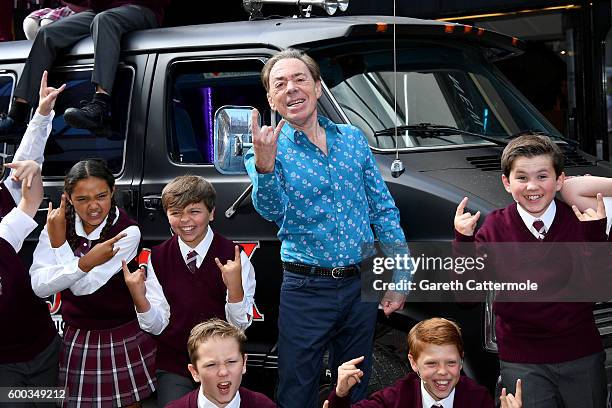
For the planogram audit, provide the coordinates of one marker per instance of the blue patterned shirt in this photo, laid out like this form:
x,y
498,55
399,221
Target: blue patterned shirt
x,y
325,204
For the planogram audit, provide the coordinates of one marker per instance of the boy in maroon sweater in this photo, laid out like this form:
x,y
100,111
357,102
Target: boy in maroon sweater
x,y
554,347
193,276
218,361
436,354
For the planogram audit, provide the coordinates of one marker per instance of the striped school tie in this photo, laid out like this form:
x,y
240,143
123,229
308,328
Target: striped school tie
x,y
540,228
192,256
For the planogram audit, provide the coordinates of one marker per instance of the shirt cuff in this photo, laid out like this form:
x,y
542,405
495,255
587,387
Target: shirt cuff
x,y
23,220
40,120
63,254
459,237
236,309
145,319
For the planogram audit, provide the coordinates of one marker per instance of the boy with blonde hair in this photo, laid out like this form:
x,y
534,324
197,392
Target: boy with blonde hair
x,y
218,361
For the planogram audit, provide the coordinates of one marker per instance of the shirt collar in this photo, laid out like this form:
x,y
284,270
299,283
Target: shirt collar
x,y
291,133
201,248
428,400
204,402
95,234
547,217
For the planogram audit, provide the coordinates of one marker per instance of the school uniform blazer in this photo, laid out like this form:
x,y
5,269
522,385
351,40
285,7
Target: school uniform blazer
x,y
248,399
406,393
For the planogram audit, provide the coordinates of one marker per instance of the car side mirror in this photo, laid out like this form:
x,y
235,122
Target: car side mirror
x,y
232,138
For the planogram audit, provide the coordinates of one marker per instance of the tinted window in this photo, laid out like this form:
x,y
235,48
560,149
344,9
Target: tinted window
x,y
434,84
68,145
198,90
6,90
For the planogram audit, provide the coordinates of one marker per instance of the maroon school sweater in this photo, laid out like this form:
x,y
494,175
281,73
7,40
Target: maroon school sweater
x,y
109,306
540,333
28,328
248,399
406,393
193,297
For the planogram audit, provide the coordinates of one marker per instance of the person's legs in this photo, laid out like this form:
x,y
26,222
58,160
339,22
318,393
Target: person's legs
x,y
308,313
107,29
354,336
582,382
49,40
539,383
41,371
171,387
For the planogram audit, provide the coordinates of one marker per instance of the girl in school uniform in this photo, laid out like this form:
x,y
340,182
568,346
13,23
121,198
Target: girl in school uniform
x,y
106,360
29,345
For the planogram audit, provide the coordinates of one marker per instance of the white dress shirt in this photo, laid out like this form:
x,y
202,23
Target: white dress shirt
x,y
31,147
239,314
56,269
204,402
428,400
15,227
547,218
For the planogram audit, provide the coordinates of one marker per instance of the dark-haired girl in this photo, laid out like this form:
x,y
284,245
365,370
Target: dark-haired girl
x,y
106,359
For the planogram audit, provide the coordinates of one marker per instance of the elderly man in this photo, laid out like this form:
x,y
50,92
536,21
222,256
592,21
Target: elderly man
x,y
319,182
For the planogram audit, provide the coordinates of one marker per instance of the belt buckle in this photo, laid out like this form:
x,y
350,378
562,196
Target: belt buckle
x,y
335,271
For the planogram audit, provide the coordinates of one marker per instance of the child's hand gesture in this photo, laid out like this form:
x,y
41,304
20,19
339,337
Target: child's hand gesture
x,y
100,253
135,282
56,223
47,95
348,376
231,273
512,401
465,222
589,214
24,170
31,195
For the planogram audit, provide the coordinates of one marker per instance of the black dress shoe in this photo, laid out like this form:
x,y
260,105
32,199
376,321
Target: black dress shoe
x,y
92,116
11,131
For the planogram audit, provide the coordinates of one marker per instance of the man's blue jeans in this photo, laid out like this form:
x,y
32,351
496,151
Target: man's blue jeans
x,y
319,313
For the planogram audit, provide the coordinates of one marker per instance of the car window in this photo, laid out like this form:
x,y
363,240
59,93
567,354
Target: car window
x,y
7,83
68,145
198,89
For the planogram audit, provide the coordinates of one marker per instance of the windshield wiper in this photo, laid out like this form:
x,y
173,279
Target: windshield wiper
x,y
573,143
434,131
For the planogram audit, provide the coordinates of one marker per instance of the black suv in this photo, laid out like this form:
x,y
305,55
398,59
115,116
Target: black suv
x,y
172,81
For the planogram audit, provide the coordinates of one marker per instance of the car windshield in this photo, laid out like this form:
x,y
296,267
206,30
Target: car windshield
x,y
441,85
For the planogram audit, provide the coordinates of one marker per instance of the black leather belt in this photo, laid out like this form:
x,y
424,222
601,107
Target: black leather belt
x,y
337,272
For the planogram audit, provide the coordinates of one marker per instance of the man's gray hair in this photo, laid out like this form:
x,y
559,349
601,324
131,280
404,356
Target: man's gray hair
x,y
312,65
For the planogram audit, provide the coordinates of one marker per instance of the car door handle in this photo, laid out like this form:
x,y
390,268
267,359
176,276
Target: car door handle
x,y
152,202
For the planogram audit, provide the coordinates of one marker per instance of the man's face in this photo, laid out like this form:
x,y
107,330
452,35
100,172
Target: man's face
x,y
293,92
191,222
533,183
219,368
439,368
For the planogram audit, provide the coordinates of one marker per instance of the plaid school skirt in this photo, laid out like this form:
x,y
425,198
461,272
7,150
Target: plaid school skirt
x,y
107,368
51,13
